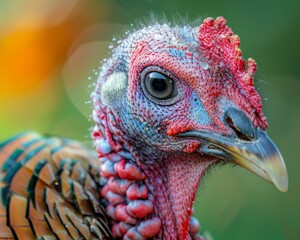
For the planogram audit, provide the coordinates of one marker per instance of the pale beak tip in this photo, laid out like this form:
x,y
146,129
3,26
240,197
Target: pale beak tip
x,y
283,188
282,184
276,169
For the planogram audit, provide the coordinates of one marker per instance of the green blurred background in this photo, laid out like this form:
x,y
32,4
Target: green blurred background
x,y
50,52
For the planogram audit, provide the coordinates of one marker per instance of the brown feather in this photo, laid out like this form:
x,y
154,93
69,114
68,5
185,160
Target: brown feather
x,y
49,189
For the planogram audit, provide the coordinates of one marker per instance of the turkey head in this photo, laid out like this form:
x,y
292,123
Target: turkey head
x,y
171,102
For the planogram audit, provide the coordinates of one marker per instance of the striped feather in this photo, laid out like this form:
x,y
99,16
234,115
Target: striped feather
x,y
49,190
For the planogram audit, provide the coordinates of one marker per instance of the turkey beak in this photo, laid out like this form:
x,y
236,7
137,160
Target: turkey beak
x,y
259,155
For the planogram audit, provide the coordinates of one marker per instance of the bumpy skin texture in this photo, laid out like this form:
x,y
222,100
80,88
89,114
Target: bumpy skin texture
x,y
211,77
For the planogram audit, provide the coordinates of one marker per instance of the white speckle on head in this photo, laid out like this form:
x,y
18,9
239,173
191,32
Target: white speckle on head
x,y
114,86
204,65
157,36
174,40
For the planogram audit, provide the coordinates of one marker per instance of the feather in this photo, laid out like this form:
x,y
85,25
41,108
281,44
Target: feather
x,y
49,189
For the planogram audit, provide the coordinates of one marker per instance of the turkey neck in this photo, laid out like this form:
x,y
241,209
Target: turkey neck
x,y
147,194
126,197
174,183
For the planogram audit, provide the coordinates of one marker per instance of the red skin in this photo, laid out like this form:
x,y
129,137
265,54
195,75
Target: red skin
x,y
220,47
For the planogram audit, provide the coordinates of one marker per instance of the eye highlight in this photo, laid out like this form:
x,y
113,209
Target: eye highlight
x,y
159,85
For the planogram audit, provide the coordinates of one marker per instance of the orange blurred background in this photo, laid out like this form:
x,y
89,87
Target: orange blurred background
x,y
37,39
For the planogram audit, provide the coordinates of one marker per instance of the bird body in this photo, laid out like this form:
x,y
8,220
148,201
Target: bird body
x,y
171,102
49,190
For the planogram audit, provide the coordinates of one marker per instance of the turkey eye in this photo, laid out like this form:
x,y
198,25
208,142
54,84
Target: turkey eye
x,y
159,85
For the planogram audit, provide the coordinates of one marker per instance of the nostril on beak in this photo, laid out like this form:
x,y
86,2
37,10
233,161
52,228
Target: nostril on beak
x,y
240,124
237,131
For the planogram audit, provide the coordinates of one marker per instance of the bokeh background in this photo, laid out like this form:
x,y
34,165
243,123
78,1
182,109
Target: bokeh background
x,y
50,53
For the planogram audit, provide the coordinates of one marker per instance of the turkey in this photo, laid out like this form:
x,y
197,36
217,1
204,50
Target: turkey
x,y
170,103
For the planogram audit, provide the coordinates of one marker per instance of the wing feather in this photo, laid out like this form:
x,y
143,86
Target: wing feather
x,y
49,190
